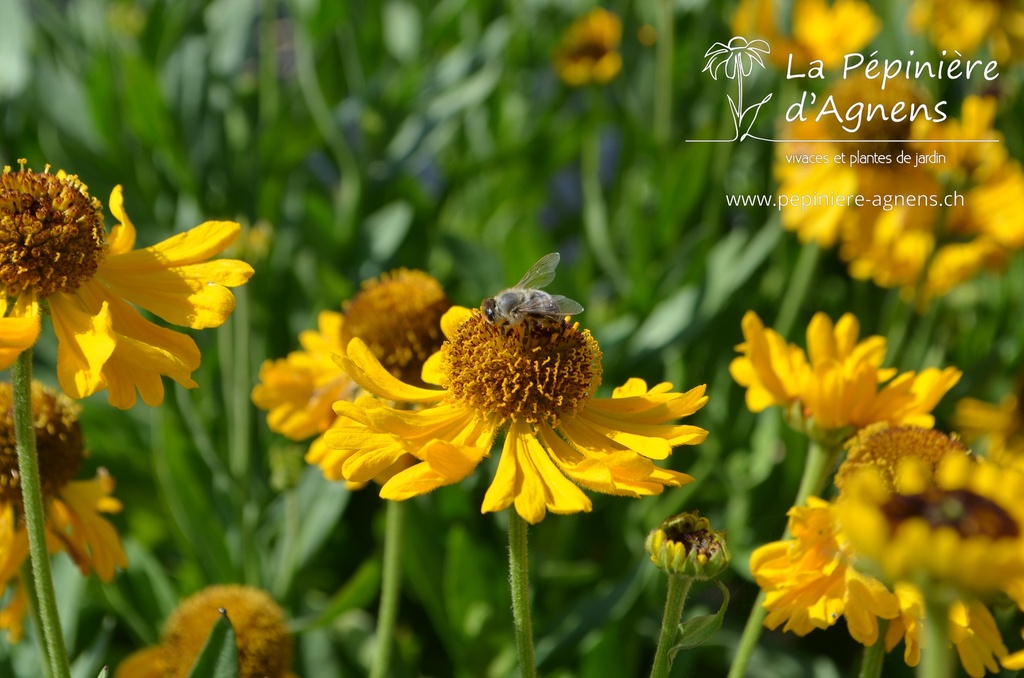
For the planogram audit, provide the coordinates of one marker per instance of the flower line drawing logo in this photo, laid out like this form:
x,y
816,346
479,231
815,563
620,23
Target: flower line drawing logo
x,y
736,60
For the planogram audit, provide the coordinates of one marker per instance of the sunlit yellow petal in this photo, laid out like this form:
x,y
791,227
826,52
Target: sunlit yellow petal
x,y
19,329
364,368
122,238
85,343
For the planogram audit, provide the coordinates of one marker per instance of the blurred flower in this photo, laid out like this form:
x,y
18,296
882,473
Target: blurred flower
x,y
535,381
397,315
820,30
589,51
819,574
686,545
965,26
55,251
972,630
903,235
73,507
838,383
265,645
1000,426
959,526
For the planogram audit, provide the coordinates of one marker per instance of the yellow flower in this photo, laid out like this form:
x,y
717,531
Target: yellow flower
x,y
54,251
838,383
902,235
589,51
73,507
820,30
265,645
1000,426
810,581
959,526
965,26
298,391
397,315
535,381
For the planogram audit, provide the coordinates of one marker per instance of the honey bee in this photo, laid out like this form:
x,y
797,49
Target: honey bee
x,y
525,301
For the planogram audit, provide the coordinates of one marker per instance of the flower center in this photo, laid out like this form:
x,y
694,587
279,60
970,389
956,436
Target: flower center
x,y
58,442
261,632
398,317
969,514
535,371
882,447
51,232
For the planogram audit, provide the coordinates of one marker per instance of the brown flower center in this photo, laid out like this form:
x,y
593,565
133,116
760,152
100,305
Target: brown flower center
x,y
534,371
398,317
51,232
969,514
58,442
261,631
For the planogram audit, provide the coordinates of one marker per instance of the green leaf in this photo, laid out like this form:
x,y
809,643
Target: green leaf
x,y
693,632
387,227
103,672
402,30
219,658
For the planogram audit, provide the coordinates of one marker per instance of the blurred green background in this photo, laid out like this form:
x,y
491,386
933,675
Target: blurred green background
x,y
350,138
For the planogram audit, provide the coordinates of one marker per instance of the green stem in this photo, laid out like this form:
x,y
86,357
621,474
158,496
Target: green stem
x,y
874,655
675,599
820,459
663,66
936,657
799,286
28,582
519,579
390,587
35,516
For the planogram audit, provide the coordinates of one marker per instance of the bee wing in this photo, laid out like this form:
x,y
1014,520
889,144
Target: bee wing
x,y
566,306
541,273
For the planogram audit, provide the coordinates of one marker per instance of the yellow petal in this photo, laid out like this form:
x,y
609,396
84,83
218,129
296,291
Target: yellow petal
x,y
527,476
413,481
85,343
453,318
143,353
122,239
20,329
432,373
194,246
195,295
362,365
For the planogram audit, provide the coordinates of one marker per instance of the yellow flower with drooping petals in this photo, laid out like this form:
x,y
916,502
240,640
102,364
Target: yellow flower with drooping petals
x,y
265,646
838,383
55,253
74,523
965,26
589,51
535,382
820,31
810,580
